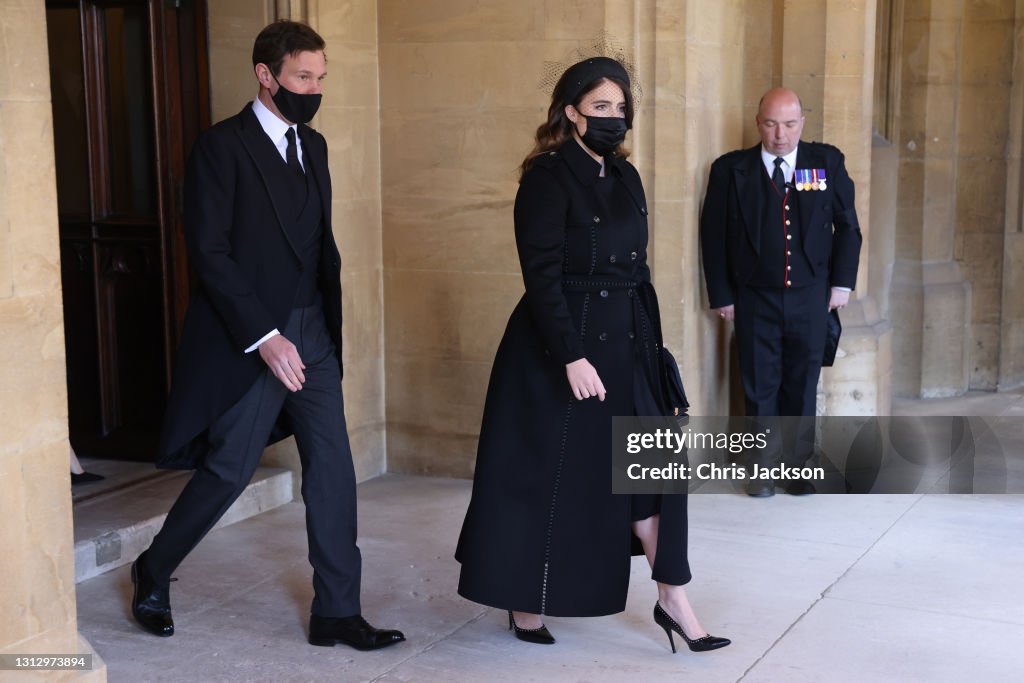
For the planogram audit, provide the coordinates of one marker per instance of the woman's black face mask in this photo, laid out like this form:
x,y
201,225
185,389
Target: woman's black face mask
x,y
604,133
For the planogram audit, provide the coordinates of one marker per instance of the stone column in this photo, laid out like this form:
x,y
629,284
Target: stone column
x,y
37,592
828,51
1011,358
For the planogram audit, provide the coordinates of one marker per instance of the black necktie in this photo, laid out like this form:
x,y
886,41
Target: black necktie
x,y
778,177
292,153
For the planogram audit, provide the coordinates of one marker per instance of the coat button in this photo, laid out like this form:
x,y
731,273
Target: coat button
x,y
789,237
632,335
603,336
629,292
644,210
611,259
597,219
604,293
632,256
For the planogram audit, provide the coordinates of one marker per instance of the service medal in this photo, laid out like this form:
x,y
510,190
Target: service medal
x,y
821,179
814,179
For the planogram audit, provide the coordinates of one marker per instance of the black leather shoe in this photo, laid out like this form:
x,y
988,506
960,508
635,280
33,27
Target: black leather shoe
x,y
85,478
760,488
151,603
800,487
541,636
353,631
702,644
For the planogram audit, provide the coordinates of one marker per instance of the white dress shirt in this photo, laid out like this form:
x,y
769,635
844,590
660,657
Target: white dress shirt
x,y
788,163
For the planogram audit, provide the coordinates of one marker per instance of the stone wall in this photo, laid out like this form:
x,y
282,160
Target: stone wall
x,y
459,104
37,593
957,191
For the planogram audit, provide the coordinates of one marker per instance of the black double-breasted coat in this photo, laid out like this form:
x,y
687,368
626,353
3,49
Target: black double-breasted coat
x,y
248,273
543,532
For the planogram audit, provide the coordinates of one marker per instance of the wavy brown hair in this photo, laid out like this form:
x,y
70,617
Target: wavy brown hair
x,y
558,128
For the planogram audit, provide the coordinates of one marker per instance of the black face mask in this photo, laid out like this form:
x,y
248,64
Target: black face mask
x,y
604,133
293,106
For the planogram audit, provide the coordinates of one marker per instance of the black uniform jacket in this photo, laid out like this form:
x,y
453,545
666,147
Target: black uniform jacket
x,y
248,273
730,223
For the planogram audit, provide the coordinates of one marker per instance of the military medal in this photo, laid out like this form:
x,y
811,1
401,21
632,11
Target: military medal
x,y
799,179
821,179
814,179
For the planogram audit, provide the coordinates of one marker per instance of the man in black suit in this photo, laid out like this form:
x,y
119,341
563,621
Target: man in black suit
x,y
260,355
780,244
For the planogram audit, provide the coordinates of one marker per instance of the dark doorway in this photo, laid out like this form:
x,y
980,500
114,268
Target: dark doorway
x,y
129,84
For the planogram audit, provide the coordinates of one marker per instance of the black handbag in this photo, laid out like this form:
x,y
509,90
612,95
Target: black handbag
x,y
673,394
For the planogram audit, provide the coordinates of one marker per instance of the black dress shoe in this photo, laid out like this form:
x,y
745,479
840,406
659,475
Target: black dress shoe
x,y
702,644
353,631
760,488
151,603
800,487
85,478
541,635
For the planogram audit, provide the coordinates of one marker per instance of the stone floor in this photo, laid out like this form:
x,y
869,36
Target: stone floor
x,y
820,588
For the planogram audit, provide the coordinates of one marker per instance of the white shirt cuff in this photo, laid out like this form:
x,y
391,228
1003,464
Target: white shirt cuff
x,y
268,335
841,289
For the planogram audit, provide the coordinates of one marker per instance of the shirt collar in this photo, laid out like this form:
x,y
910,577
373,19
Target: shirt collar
x,y
769,159
274,127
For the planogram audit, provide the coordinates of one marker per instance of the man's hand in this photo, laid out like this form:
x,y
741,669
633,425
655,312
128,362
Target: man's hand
x,y
282,358
726,312
583,380
838,299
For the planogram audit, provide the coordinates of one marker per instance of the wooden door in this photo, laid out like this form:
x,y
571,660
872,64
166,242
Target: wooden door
x,y
130,92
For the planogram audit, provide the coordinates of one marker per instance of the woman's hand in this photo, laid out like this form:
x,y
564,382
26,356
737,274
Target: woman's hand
x,y
583,380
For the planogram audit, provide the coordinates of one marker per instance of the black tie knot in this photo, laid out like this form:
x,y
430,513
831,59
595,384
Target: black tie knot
x,y
778,177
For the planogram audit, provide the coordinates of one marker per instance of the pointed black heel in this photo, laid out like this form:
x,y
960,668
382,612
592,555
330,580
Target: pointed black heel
x,y
702,644
541,635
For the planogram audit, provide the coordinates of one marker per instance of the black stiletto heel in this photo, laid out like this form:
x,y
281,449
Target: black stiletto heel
x,y
541,635
702,644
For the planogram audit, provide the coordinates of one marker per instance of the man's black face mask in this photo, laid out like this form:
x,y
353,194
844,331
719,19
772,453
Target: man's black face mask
x,y
295,107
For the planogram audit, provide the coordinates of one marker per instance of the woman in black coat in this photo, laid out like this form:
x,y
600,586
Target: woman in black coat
x,y
544,535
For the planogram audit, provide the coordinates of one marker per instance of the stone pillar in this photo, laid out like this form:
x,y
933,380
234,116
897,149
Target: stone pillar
x,y
1011,357
828,51
697,106
952,227
37,594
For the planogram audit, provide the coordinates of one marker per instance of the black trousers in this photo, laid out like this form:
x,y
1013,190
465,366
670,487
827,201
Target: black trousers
x,y
316,414
780,335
